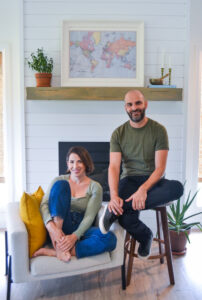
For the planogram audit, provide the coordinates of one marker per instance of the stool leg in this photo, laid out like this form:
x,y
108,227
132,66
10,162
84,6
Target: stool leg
x,y
123,271
123,276
126,240
130,260
158,221
167,244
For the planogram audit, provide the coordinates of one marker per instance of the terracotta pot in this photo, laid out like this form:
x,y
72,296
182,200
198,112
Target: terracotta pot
x,y
43,79
178,242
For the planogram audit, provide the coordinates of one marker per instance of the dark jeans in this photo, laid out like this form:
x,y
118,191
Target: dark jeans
x,y
161,193
93,242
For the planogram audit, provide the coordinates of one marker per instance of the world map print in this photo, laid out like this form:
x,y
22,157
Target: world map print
x,y
102,54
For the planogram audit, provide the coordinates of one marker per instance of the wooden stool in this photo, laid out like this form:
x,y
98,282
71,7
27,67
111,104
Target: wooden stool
x,y
162,225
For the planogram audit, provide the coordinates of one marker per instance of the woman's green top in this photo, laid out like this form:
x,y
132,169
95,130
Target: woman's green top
x,y
89,204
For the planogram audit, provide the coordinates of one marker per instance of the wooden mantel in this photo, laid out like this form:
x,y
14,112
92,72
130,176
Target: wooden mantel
x,y
100,93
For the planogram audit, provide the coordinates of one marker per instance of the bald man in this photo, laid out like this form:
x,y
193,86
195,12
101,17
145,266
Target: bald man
x,y
141,144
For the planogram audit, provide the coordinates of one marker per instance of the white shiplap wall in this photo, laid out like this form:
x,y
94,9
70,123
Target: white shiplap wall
x,y
48,122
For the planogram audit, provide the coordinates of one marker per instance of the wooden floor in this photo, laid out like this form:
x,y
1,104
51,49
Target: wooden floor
x,y
149,281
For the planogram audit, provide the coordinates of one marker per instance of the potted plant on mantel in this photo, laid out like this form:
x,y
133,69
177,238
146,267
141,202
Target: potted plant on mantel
x,y
178,227
43,65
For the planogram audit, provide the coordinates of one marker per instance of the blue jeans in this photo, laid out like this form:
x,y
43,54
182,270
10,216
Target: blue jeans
x,y
93,242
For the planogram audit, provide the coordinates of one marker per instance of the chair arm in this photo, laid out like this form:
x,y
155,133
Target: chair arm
x,y
17,243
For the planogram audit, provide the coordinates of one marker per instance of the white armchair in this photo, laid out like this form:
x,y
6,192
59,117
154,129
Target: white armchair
x,y
20,268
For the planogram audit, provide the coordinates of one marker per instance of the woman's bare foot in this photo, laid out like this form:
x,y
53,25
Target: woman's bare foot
x,y
44,251
64,256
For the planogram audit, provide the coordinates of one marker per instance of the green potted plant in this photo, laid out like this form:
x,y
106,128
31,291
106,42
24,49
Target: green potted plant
x,y
43,65
179,228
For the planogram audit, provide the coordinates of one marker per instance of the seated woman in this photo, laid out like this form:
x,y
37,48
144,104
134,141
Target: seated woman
x,y
69,208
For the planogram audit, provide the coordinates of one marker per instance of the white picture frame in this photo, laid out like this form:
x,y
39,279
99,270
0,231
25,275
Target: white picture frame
x,y
118,61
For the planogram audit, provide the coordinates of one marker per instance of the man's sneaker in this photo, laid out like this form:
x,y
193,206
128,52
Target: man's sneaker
x,y
106,220
144,248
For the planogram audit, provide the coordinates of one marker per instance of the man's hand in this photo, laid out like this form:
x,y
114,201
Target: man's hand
x,y
115,205
67,242
138,199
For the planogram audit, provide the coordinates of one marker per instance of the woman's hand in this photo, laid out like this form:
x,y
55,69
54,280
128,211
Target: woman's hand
x,y
67,242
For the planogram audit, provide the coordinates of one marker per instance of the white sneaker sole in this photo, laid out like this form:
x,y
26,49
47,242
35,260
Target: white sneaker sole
x,y
102,229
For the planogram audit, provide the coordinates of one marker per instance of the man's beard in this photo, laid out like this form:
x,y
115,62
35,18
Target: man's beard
x,y
138,118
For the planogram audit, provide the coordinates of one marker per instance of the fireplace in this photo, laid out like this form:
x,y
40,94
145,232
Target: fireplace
x,y
99,152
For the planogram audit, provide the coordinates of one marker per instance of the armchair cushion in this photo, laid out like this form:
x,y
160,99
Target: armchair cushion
x,y
44,265
31,216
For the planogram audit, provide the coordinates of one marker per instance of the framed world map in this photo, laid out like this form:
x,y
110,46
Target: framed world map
x,y
102,54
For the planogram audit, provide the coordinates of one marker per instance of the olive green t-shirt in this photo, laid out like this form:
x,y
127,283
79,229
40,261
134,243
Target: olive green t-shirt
x,y
138,146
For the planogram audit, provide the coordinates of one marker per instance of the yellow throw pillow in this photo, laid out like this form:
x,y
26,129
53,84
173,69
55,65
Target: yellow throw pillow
x,y
31,216
39,194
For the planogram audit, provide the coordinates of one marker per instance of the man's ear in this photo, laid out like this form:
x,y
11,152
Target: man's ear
x,y
146,104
